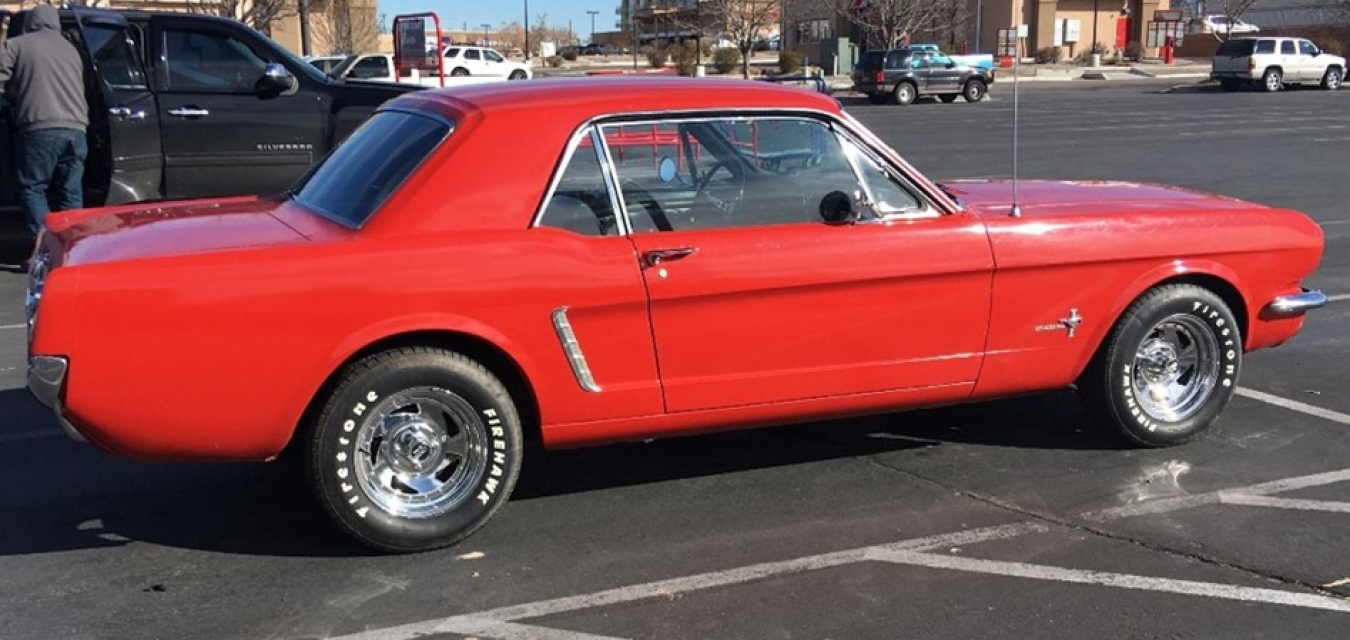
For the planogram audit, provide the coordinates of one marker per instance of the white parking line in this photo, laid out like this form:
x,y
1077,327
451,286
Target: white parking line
x,y
13,326
905,552
30,435
1118,580
1287,503
1339,298
1294,405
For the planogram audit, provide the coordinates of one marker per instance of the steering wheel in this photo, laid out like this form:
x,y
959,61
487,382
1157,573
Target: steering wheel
x,y
649,204
703,196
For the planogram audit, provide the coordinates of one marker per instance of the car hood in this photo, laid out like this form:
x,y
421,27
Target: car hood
x,y
1050,198
172,228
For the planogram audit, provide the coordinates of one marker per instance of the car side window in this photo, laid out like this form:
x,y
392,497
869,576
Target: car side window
x,y
1265,46
919,61
471,54
374,67
493,56
115,57
580,200
940,60
1287,48
1306,48
452,52
895,60
202,60
729,172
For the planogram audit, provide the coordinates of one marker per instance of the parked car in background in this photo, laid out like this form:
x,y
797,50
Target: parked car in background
x,y
463,60
906,74
325,63
379,67
409,314
1271,63
186,105
1225,25
981,60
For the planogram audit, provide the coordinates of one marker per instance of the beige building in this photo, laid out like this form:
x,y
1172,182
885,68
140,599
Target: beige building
x,y
336,26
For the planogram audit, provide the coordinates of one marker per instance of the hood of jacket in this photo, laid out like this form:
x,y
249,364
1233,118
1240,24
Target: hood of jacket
x,y
42,17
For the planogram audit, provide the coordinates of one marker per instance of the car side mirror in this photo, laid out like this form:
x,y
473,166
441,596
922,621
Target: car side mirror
x,y
837,208
951,65
275,79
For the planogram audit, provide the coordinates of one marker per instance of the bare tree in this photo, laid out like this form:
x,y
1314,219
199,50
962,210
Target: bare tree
x,y
888,22
259,14
345,26
1231,9
745,23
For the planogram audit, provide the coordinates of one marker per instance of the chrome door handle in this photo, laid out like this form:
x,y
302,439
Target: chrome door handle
x,y
127,114
189,111
657,256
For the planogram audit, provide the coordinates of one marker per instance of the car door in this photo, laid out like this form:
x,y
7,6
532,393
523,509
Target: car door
x,y
1310,70
943,75
473,61
1288,59
755,299
125,156
922,65
220,135
494,64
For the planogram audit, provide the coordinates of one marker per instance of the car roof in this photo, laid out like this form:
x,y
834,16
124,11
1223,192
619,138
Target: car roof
x,y
585,98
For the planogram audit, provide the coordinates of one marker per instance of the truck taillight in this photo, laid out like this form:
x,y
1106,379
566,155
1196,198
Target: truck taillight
x,y
881,77
1251,64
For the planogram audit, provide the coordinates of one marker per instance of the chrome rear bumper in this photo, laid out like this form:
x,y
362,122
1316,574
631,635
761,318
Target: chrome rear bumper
x,y
1295,304
46,377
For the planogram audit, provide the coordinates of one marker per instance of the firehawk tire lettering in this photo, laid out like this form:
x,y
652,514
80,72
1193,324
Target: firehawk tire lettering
x,y
1174,357
416,406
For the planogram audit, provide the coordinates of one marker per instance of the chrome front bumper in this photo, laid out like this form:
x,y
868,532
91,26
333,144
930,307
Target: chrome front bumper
x,y
46,377
1295,304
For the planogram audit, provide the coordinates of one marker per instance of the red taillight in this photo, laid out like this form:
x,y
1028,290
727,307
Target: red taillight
x,y
881,77
1251,64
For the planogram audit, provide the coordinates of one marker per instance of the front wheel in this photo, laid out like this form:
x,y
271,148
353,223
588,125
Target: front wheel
x,y
1168,368
1331,80
974,91
414,449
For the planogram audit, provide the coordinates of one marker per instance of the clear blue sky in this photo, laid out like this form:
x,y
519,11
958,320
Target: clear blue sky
x,y
455,15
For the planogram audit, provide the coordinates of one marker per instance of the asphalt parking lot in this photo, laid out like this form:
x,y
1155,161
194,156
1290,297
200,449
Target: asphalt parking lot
x,y
1012,519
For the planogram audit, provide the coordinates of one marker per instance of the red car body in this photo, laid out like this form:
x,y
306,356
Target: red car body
x,y
209,329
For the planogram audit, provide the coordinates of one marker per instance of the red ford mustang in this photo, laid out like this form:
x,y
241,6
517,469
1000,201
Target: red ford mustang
x,y
663,256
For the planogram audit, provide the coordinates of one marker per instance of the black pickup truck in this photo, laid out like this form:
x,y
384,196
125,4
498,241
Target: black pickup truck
x,y
188,105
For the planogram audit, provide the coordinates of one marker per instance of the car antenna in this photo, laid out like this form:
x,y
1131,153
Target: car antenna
x,y
1016,210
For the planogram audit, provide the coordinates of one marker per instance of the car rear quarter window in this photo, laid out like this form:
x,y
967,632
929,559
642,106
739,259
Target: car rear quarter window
x,y
1235,48
1265,46
354,180
871,60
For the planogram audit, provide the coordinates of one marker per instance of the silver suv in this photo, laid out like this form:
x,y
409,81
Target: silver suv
x,y
1271,63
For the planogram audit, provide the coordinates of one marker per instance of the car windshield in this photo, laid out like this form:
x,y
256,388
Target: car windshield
x,y
354,180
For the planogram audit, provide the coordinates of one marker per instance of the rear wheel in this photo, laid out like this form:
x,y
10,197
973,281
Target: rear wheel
x,y
516,75
1168,368
974,91
1272,80
905,93
948,97
460,72
414,449
1230,85
1331,80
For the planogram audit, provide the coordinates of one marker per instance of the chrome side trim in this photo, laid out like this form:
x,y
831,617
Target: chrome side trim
x,y
1295,304
46,377
572,349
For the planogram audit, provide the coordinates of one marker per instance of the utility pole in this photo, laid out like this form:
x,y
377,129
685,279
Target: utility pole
x,y
527,32
304,29
592,13
487,42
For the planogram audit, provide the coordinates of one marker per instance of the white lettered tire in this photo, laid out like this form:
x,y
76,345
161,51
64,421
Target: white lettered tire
x,y
1168,368
414,449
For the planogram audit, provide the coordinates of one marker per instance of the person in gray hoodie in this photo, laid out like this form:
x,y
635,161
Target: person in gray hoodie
x,y
43,78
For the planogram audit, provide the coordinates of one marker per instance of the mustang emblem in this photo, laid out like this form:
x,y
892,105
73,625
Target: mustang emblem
x,y
1070,324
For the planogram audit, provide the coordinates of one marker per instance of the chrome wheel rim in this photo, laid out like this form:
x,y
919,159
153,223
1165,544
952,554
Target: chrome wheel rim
x,y
1333,80
1176,368
905,94
974,92
421,452
1272,81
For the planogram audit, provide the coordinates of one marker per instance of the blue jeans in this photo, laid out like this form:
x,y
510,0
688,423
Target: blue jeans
x,y
51,172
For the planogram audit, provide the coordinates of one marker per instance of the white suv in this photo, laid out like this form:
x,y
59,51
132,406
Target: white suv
x,y
1272,63
481,61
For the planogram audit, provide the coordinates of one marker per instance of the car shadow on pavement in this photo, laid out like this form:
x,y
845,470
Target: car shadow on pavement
x,y
67,496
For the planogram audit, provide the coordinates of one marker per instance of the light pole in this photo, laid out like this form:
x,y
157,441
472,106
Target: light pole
x,y
593,13
487,42
527,32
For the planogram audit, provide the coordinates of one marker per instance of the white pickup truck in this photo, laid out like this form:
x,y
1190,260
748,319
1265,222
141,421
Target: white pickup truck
x,y
379,67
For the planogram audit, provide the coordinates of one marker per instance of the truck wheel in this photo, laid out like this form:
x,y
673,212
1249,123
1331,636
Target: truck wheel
x,y
459,72
414,449
1230,85
904,93
516,75
1168,368
1273,80
1331,80
973,91
948,98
